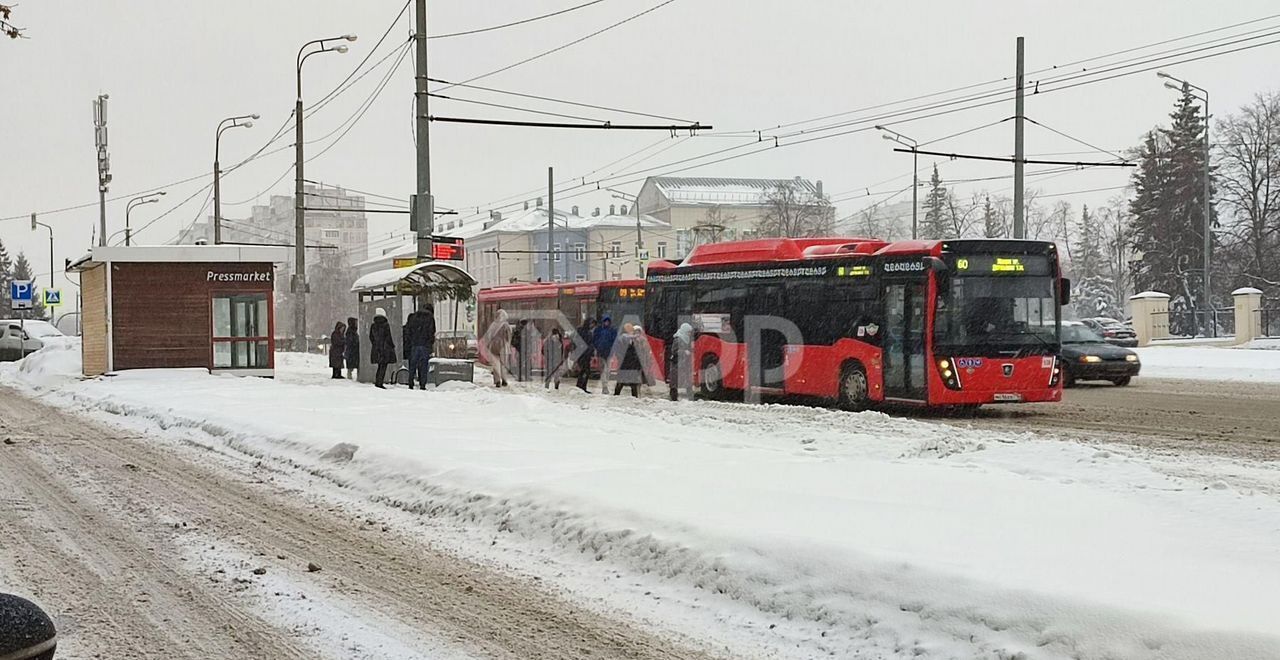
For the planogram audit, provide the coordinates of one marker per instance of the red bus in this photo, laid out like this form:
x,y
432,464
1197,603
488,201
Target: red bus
x,y
861,321
621,300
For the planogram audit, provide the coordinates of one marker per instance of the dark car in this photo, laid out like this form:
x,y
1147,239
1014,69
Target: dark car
x,y
1113,331
1087,356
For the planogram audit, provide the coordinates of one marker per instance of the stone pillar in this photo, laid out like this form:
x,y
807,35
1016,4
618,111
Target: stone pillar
x,y
1150,316
1248,314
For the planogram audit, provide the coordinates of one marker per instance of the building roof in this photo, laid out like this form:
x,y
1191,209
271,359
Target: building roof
x,y
722,190
182,253
432,276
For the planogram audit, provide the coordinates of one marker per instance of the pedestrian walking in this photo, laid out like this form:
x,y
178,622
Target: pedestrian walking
x,y
630,363
337,348
352,354
498,345
382,348
679,364
524,341
586,333
553,358
419,338
603,339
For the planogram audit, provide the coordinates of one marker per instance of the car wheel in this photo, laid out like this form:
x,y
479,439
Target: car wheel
x,y
854,389
1068,378
711,383
1122,382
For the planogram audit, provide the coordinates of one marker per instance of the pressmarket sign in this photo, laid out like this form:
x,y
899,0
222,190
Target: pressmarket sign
x,y
238,277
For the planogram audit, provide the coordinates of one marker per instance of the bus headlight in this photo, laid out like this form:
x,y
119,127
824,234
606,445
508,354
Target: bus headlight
x,y
1090,359
949,378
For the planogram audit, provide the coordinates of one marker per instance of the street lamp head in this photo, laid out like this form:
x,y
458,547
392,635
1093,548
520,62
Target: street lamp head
x,y
1173,86
341,49
1161,74
349,37
254,116
879,127
248,123
888,137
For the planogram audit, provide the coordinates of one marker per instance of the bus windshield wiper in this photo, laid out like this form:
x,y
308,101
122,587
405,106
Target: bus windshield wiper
x,y
1011,333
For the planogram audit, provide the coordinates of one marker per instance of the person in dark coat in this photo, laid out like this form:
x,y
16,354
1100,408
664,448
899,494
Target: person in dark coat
x,y
586,333
520,340
631,366
352,354
680,363
337,348
26,631
553,358
602,341
382,349
419,339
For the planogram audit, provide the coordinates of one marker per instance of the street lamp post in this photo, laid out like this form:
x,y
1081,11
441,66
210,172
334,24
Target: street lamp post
x,y
36,223
137,201
1184,86
243,121
894,136
299,284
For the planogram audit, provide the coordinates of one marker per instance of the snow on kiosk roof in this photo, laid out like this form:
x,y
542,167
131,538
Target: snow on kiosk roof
x,y
179,306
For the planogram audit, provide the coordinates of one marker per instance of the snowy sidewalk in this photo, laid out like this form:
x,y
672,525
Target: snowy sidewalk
x,y
1253,364
889,536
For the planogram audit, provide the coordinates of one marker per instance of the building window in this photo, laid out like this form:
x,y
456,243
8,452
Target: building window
x,y
580,252
662,249
240,335
331,233
615,250
579,278
555,251
558,279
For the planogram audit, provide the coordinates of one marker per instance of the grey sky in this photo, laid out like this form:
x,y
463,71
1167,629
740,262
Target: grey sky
x,y
174,68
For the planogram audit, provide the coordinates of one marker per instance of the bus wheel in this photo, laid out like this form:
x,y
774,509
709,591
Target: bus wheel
x,y
853,388
711,385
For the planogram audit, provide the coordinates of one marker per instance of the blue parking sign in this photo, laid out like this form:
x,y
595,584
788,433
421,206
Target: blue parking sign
x,y
21,292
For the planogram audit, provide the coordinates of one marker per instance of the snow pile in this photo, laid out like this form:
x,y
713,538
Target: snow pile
x,y
56,363
886,537
1211,363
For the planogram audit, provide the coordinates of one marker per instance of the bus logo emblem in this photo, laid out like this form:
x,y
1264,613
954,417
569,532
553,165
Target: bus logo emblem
x,y
1008,370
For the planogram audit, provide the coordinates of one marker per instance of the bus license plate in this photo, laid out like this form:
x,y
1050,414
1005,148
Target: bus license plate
x,y
1008,398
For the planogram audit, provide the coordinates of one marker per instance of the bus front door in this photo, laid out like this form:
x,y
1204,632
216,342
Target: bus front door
x,y
904,341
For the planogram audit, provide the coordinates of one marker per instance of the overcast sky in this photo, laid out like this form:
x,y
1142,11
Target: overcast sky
x,y
174,68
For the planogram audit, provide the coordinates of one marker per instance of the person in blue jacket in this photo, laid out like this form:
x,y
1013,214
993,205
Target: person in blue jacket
x,y
602,342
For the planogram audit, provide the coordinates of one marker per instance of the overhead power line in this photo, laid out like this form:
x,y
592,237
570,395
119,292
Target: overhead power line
x,y
539,124
1003,159
367,55
558,48
556,100
514,23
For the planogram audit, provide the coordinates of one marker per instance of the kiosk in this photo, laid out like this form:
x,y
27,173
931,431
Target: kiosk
x,y
400,291
176,306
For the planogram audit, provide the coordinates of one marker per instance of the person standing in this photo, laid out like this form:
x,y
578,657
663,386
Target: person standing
x,y
419,337
522,342
498,345
382,348
586,333
679,365
352,355
603,340
630,364
553,358
337,348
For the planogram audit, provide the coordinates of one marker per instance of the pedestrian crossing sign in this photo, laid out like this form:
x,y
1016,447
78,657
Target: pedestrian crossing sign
x,y
52,297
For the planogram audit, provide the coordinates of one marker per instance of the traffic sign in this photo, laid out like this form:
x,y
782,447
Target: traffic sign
x,y
21,293
52,297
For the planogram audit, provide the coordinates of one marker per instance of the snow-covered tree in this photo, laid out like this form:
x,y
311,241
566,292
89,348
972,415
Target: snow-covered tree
x,y
1094,289
1249,178
6,276
937,210
795,212
22,271
992,223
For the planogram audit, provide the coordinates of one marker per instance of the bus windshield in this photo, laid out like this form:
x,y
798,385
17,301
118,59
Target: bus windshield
x,y
984,314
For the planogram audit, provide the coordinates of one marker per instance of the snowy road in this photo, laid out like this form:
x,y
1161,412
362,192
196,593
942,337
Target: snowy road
x,y
144,550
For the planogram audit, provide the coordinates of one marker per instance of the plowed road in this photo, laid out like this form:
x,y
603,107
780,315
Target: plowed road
x,y
112,534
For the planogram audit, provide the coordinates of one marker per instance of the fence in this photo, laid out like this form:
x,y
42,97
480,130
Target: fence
x,y
1270,319
1211,323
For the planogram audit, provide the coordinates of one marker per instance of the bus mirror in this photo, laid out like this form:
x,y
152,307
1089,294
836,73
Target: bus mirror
x,y
936,265
1064,291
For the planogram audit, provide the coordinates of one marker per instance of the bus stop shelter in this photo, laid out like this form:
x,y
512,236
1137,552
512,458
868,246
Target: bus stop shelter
x,y
401,291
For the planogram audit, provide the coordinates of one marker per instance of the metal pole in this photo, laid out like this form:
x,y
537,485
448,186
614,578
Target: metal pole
x,y
915,191
102,215
51,266
426,225
127,234
1208,207
1019,219
217,196
551,225
639,238
299,285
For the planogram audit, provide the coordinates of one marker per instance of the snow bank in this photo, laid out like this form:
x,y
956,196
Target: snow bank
x,y
57,363
1212,363
893,537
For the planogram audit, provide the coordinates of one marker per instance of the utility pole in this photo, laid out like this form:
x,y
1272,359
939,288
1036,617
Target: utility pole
x,y
551,225
422,214
104,163
1019,152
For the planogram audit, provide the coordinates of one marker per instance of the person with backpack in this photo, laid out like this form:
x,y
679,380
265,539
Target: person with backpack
x,y
419,340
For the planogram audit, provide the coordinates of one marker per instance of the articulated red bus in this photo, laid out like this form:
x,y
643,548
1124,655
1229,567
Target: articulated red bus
x,y
861,321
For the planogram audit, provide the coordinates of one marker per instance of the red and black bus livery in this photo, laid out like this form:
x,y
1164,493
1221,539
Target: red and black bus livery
x,y
861,321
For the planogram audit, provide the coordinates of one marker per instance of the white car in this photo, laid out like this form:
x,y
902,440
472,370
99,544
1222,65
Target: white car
x,y
17,341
